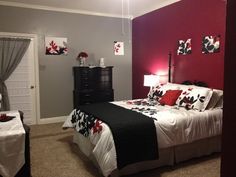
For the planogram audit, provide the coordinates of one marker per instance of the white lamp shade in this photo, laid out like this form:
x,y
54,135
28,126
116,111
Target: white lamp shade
x,y
151,80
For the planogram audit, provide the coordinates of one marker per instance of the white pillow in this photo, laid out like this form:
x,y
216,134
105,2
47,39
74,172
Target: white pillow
x,y
173,84
181,86
194,97
219,104
216,97
160,89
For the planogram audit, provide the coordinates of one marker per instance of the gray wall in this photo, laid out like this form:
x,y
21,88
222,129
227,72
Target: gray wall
x,y
93,34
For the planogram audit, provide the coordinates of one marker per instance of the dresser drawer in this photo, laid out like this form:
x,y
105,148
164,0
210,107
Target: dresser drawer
x,y
92,85
104,85
85,84
104,96
84,97
83,78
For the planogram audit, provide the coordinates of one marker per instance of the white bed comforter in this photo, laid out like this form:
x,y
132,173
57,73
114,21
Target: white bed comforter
x,y
174,126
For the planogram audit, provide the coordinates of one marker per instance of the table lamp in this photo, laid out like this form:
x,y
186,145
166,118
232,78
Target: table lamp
x,y
151,80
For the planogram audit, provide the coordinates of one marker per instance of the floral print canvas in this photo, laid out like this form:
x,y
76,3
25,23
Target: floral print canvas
x,y
211,44
118,48
56,46
184,47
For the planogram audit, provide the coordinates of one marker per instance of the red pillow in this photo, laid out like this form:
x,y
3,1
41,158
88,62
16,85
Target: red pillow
x,y
170,97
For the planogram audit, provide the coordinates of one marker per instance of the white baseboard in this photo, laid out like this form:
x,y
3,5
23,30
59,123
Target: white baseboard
x,y
28,122
50,120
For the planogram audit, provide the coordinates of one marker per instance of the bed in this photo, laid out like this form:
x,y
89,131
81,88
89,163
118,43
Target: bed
x,y
187,120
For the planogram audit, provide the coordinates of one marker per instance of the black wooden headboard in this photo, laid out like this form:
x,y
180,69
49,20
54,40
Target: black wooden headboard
x,y
197,83
169,70
187,82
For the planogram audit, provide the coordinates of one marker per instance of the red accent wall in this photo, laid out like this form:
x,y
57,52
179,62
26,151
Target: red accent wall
x,y
156,34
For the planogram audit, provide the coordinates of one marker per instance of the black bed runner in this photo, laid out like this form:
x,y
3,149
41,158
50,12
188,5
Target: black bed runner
x,y
134,134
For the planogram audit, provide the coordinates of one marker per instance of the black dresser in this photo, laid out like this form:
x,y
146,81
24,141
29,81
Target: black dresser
x,y
92,85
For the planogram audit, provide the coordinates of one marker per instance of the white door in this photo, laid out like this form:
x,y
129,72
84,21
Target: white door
x,y
21,86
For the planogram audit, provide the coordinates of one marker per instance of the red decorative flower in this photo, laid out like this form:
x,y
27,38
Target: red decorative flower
x,y
53,45
82,55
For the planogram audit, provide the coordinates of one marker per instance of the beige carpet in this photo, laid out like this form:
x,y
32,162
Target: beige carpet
x,y
54,155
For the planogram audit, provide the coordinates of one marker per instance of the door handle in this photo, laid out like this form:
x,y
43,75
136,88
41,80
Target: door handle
x,y
31,87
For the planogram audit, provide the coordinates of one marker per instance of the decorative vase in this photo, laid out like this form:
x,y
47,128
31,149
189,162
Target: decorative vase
x,y
82,61
101,62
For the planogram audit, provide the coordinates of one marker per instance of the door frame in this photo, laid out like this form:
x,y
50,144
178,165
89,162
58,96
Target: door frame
x,y
35,120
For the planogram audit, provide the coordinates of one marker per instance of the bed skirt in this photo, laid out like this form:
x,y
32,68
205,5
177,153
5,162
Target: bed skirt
x,y
167,156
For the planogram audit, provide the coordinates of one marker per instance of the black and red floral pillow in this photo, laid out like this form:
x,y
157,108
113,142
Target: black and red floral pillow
x,y
190,97
196,98
159,90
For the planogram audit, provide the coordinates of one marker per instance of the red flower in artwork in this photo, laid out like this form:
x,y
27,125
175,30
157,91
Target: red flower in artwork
x,y
117,47
97,126
48,49
53,45
116,50
82,55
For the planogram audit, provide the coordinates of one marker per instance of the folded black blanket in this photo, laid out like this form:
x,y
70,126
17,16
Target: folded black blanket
x,y
134,134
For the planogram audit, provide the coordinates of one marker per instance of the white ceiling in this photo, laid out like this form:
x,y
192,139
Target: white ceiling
x,y
116,8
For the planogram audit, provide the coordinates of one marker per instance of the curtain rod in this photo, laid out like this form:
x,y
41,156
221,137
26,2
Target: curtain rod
x,y
18,37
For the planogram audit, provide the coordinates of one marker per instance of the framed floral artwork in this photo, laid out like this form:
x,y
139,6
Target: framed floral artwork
x,y
184,47
211,44
56,46
118,48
